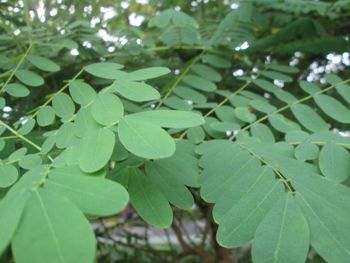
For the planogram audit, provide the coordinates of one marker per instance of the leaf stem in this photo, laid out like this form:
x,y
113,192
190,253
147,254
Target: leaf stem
x,y
17,134
169,88
59,91
284,180
288,106
221,103
16,68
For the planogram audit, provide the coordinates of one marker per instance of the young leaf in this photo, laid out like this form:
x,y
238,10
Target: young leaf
x,y
62,233
148,201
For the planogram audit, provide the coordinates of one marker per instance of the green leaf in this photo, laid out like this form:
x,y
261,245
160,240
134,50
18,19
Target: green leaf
x,y
175,192
265,85
283,68
238,224
93,195
182,165
17,155
106,70
62,234
2,102
195,134
334,162
262,132
177,103
309,118
27,127
96,149
63,106
285,96
43,63
262,106
84,122
327,214
135,91
182,19
10,214
206,72
107,109
64,135
344,91
17,90
145,139
216,61
333,108
283,235
148,201
309,87
148,73
29,78
169,118
276,75
190,94
30,161
81,92
231,163
243,114
306,151
161,20
282,124
46,116
199,83
8,175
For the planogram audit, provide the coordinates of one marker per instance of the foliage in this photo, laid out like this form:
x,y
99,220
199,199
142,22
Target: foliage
x,y
158,115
